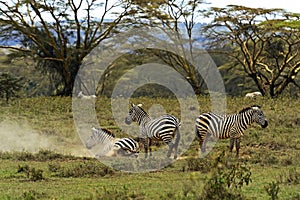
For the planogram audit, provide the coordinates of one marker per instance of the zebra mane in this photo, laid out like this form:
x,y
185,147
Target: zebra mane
x,y
108,132
140,107
248,108
105,131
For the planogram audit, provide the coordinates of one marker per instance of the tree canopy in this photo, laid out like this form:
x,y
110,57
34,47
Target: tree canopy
x,y
265,42
58,34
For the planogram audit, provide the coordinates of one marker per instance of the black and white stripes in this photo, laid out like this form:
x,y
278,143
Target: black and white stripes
x,y
111,146
164,128
228,126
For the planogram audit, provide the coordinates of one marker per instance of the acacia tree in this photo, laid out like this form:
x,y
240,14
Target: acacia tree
x,y
265,42
179,17
58,34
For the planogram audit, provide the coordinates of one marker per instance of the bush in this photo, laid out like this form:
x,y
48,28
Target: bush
x,y
42,155
30,195
31,173
292,176
199,164
227,179
78,170
112,194
9,85
272,189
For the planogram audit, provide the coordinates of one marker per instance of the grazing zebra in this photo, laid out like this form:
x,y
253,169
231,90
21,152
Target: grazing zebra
x,y
253,95
163,128
82,96
228,126
112,146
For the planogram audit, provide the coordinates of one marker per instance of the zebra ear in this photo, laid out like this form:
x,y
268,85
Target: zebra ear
x,y
132,105
140,105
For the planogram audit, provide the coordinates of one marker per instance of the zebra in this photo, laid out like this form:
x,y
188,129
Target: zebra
x,y
228,126
164,128
82,96
112,146
253,95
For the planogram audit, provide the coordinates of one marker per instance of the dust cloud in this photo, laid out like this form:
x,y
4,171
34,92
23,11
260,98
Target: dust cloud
x,y
20,136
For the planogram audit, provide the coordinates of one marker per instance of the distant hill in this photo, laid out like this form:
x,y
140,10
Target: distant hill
x,y
198,36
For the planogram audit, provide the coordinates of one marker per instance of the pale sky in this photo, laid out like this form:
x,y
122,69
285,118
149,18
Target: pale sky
x,y
288,5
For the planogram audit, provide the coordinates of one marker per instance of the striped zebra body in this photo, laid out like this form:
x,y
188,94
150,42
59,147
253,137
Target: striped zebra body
x,y
164,128
112,146
228,126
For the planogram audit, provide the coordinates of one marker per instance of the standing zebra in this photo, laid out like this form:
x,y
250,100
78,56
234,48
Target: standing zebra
x,y
228,126
112,146
163,128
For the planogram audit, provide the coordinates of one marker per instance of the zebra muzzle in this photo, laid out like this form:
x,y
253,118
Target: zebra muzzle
x,y
128,120
265,124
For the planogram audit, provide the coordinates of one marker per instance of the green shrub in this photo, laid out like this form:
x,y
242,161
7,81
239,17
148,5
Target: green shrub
x,y
78,170
31,173
272,189
30,195
10,85
199,164
33,195
113,193
292,176
228,177
42,155
23,156
54,167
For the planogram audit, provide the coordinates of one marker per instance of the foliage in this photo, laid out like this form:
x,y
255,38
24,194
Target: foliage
x,y
10,85
292,176
56,36
178,20
113,193
125,68
261,42
272,189
198,164
80,170
42,155
227,179
32,174
32,195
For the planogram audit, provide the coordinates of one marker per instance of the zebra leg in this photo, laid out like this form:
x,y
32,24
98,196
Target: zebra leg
x,y
237,146
171,146
176,143
202,140
202,145
232,139
145,142
150,143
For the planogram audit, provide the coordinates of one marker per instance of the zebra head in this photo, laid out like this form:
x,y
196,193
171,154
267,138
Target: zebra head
x,y
98,136
259,117
93,139
133,113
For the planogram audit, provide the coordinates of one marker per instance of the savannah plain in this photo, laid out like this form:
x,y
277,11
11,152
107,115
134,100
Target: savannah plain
x,y
42,156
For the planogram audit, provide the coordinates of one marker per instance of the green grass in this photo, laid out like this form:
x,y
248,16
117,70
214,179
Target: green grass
x,y
271,154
